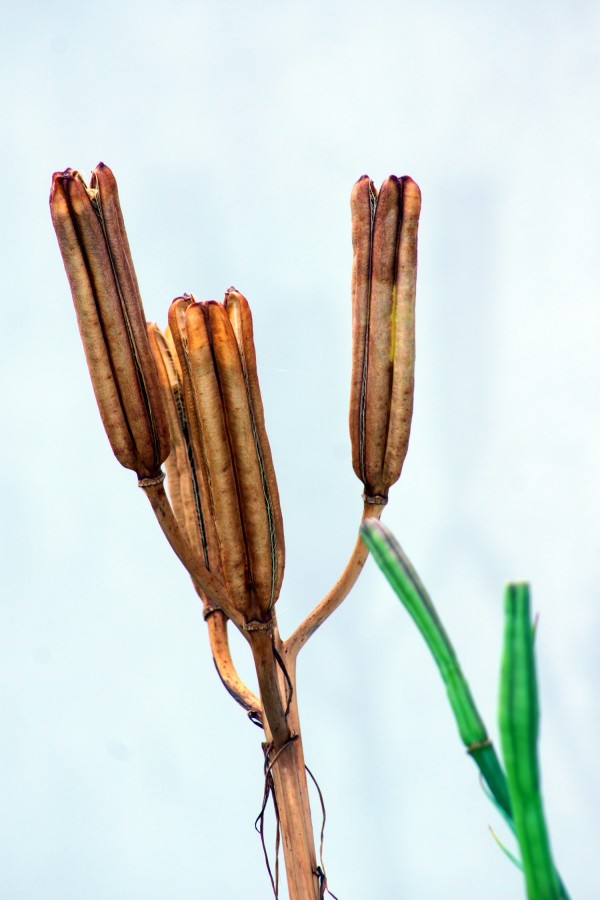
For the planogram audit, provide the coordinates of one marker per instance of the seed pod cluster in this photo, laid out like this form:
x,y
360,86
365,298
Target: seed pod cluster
x,y
384,271
93,242
221,475
191,395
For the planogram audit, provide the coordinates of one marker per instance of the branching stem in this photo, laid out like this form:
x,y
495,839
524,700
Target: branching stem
x,y
338,592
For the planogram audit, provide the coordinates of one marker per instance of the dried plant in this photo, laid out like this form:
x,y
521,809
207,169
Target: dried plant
x,y
190,397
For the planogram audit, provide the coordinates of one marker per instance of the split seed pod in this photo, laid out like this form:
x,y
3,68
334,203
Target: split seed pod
x,y
188,492
93,242
215,347
384,272
185,483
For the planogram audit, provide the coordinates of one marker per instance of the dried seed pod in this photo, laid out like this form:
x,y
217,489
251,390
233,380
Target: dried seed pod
x,y
182,478
384,238
228,439
269,526
193,480
95,250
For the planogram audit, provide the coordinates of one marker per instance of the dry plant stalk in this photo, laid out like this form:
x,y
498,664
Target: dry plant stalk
x,y
190,397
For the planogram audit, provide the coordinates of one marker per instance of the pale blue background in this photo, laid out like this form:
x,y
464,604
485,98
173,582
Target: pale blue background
x,y
236,131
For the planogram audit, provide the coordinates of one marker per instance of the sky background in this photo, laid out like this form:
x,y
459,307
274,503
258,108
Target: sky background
x,y
236,131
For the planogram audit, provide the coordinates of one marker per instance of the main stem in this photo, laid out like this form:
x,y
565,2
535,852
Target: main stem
x,y
285,755
282,726
285,758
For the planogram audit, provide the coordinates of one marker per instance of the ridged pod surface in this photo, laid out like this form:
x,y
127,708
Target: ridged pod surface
x,y
384,271
95,250
228,444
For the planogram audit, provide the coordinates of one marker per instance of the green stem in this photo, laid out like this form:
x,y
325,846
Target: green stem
x,y
519,719
406,583
520,804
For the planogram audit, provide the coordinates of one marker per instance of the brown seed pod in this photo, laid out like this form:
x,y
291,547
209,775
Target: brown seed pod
x,y
95,250
203,505
266,516
384,238
229,441
182,478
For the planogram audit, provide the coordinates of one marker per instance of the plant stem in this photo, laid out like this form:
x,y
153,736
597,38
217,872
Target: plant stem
x,y
284,751
338,592
519,722
219,645
285,761
275,663
204,581
291,794
271,693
